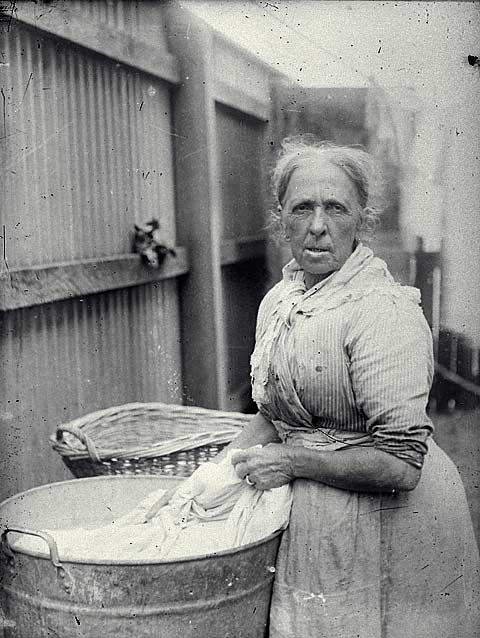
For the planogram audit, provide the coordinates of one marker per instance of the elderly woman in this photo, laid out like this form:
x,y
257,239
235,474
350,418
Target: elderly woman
x,y
380,542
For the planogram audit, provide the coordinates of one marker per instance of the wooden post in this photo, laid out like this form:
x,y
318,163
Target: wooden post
x,y
198,210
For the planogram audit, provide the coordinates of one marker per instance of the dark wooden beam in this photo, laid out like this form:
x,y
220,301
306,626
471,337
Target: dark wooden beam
x,y
241,101
455,378
67,24
234,251
21,288
239,399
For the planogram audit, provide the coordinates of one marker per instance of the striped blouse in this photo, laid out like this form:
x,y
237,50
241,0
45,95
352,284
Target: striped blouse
x,y
351,355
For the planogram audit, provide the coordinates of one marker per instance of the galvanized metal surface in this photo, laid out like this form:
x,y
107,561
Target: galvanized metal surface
x,y
86,152
141,19
62,360
224,596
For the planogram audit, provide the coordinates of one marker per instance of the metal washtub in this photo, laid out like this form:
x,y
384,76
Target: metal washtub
x,y
226,595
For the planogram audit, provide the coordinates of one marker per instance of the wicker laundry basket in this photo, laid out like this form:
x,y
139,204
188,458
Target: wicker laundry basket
x,y
145,438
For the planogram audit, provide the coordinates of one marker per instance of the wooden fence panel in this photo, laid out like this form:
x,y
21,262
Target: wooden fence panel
x,y
240,150
243,72
240,141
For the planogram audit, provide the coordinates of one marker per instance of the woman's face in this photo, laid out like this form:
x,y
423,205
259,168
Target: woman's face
x,y
321,213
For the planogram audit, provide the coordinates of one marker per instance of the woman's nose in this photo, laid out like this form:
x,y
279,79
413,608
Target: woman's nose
x,y
318,221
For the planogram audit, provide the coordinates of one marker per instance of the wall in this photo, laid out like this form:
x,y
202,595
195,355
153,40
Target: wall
x,y
461,227
417,53
87,153
106,126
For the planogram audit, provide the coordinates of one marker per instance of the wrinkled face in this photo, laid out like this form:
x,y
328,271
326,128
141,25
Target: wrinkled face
x,y
321,214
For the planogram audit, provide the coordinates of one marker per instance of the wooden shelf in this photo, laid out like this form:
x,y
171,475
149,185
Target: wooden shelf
x,y
38,285
233,251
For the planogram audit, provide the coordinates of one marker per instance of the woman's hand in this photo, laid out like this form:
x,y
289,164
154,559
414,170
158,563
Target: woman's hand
x,y
266,467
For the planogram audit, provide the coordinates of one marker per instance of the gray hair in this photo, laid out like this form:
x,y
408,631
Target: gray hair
x,y
353,160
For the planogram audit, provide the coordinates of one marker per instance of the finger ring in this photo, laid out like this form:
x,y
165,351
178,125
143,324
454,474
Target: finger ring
x,y
249,482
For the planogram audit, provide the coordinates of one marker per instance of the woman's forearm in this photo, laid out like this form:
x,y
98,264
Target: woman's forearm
x,y
363,469
259,431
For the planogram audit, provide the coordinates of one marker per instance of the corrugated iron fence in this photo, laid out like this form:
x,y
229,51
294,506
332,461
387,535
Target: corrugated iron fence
x,y
114,113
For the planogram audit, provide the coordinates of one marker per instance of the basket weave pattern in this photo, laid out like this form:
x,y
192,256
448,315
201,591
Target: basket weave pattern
x,y
145,438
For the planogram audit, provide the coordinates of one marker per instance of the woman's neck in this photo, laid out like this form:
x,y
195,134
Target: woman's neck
x,y
312,280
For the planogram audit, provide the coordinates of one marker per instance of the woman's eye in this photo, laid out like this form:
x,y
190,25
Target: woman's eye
x,y
300,209
335,208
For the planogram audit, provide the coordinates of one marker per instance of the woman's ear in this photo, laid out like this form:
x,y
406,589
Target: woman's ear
x,y
285,235
367,222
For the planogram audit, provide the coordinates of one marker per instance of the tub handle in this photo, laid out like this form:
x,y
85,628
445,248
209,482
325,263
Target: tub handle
x,y
63,575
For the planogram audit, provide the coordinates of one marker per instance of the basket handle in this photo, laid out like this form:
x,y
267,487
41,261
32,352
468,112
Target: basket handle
x,y
88,443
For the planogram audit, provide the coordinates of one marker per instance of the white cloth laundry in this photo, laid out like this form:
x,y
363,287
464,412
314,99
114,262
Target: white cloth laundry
x,y
211,511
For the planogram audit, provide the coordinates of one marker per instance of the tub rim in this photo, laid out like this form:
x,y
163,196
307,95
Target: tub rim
x,y
125,562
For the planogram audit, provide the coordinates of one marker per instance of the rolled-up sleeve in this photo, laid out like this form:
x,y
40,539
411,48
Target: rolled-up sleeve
x,y
391,366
